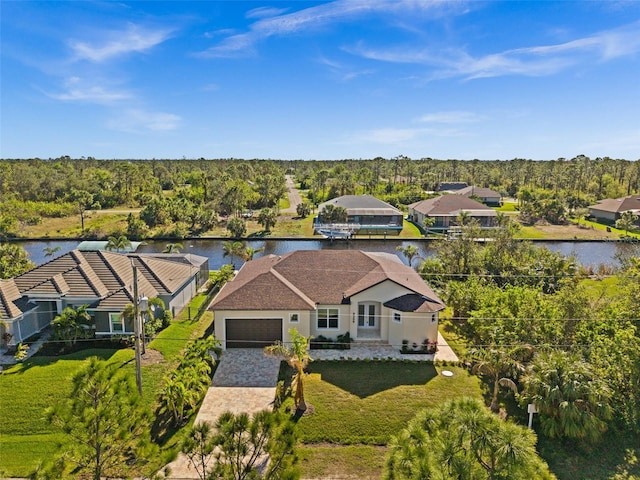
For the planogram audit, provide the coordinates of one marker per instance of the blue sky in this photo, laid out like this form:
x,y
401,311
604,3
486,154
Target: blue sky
x,y
320,80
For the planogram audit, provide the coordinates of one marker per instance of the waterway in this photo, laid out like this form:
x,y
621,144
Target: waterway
x,y
587,253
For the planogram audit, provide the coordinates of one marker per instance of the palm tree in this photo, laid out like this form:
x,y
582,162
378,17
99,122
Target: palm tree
x,y
410,251
498,363
573,402
71,324
297,356
51,251
248,253
119,243
231,248
427,223
173,248
267,218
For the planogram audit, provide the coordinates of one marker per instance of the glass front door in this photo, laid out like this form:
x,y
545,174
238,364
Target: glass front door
x,y
367,315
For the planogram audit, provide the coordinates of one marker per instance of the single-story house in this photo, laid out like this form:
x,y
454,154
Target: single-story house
x,y
452,187
372,296
101,280
610,209
485,195
446,208
366,215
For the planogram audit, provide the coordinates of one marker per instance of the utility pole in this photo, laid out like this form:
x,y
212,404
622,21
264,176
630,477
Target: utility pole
x,y
136,328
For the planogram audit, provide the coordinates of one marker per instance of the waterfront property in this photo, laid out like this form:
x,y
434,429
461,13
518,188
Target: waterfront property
x,y
446,209
611,209
370,296
366,215
101,280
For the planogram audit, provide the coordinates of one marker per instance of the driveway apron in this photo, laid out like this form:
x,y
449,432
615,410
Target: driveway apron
x,y
244,382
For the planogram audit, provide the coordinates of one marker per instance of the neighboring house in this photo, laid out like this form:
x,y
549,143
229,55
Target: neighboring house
x,y
446,208
484,195
103,281
373,296
610,209
452,187
366,215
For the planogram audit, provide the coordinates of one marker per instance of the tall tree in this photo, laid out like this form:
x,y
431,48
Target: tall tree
x,y
571,400
410,251
237,227
83,201
499,363
14,260
462,440
297,356
267,218
107,427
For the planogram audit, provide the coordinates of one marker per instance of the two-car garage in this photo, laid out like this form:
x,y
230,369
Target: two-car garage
x,y
252,332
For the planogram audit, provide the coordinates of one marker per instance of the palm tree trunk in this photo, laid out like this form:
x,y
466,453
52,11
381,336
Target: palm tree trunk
x,y
495,406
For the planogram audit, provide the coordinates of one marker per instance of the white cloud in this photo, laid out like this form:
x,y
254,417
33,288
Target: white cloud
x,y
117,43
79,90
136,121
319,16
262,12
390,136
530,61
451,117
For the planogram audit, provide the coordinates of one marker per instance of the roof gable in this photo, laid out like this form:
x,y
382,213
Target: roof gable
x,y
448,204
304,278
362,205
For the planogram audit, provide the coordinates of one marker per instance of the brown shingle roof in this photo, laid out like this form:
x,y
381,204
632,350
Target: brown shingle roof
x,y
480,192
301,279
362,205
448,204
618,205
412,302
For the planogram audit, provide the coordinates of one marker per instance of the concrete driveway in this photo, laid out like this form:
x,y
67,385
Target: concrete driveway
x,y
245,381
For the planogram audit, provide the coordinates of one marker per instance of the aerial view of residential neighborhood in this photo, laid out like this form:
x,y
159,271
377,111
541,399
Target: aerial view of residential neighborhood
x,y
320,240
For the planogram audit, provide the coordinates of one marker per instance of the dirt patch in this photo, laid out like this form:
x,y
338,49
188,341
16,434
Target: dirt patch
x,y
152,357
572,232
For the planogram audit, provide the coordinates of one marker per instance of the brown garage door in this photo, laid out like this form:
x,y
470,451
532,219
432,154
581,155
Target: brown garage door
x,y
253,332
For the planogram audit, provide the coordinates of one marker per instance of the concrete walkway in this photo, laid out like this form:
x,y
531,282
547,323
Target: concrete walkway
x,y
361,351
245,381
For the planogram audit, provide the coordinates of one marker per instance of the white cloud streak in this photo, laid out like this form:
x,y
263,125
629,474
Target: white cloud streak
x,y
531,61
317,17
78,90
118,43
137,121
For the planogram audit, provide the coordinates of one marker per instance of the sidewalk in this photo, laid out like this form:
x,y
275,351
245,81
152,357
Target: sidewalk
x,y
8,360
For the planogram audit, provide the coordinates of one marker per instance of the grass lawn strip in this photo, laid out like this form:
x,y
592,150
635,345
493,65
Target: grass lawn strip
x,y
31,387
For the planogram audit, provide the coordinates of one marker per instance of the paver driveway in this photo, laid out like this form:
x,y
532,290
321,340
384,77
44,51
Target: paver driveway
x,y
245,381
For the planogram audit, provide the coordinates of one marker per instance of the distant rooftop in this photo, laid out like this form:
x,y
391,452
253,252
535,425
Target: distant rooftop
x,y
94,245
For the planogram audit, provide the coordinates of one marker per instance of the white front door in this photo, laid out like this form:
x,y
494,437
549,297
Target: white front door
x,y
367,315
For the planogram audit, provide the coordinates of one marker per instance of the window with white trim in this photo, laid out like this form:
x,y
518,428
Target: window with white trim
x,y
397,317
117,322
294,317
433,317
328,318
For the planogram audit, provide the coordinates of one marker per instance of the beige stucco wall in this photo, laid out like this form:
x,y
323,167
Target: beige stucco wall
x,y
414,327
303,324
611,216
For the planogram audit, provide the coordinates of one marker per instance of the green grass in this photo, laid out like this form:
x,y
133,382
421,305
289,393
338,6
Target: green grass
x,y
507,207
358,406
28,389
603,227
606,288
530,233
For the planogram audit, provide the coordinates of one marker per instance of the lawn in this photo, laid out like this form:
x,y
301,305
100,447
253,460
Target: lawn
x,y
30,388
358,406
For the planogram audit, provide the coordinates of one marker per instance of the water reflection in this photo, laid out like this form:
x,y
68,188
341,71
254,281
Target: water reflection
x,y
587,253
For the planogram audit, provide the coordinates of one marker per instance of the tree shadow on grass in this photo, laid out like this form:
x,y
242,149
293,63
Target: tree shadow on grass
x,y
363,379
43,360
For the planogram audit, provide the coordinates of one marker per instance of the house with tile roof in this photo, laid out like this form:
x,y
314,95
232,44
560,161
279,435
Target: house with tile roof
x,y
372,296
102,280
367,215
446,208
611,209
